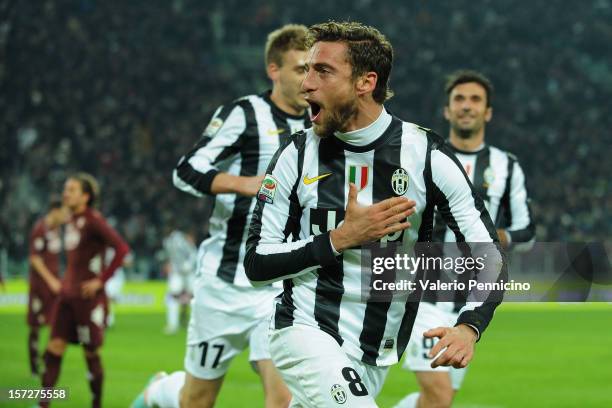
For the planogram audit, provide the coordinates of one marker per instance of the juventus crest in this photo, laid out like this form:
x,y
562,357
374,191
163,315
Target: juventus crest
x,y
399,181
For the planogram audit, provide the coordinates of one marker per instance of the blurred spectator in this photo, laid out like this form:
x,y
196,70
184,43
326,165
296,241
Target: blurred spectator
x,y
119,89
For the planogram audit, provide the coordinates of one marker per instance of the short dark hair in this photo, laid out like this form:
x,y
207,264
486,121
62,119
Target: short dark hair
x,y
368,50
288,37
464,76
89,185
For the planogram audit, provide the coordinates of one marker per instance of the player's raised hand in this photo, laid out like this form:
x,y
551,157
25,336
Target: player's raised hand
x,y
364,224
459,344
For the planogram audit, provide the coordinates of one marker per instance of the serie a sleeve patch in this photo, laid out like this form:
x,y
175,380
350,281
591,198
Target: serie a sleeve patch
x,y
268,188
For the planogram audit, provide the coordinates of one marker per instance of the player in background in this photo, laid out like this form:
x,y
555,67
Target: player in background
x,y
181,254
114,286
499,180
45,284
355,178
78,315
227,313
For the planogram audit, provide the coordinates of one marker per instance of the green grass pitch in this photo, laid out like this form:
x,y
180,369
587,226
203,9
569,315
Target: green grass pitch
x,y
548,355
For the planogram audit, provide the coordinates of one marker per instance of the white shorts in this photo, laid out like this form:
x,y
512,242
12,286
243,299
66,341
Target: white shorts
x,y
319,373
226,319
178,283
428,317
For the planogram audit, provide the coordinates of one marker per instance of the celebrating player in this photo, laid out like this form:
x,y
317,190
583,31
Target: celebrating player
x,y
45,247
499,180
227,313
354,178
78,315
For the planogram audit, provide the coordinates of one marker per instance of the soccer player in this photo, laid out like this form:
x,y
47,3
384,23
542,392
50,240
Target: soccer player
x,y
499,180
227,313
352,179
181,253
78,315
45,247
114,286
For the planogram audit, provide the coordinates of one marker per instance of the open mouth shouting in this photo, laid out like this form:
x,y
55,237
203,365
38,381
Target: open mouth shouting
x,y
315,111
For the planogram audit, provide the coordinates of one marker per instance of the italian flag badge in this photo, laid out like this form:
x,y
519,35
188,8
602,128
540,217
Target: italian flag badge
x,y
358,175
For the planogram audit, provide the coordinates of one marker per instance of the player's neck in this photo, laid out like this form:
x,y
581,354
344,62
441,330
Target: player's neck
x,y
281,103
367,113
80,209
470,144
49,221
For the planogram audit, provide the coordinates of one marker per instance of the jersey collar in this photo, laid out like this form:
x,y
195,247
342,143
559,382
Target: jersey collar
x,y
368,134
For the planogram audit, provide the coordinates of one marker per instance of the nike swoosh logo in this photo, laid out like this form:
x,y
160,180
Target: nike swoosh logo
x,y
273,132
308,181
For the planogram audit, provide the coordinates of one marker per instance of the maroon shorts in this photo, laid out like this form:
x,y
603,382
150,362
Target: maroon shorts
x,y
40,307
79,321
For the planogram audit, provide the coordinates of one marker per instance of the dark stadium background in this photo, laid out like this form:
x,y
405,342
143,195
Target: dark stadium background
x,y
122,89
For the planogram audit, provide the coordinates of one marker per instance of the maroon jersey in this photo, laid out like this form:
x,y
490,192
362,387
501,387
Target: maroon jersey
x,y
86,237
46,243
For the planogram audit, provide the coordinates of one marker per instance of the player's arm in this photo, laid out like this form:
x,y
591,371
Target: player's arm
x,y
521,232
465,213
197,172
37,246
112,239
269,257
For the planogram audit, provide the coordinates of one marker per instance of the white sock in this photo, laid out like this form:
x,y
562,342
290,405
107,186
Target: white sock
x,y
173,309
410,401
164,393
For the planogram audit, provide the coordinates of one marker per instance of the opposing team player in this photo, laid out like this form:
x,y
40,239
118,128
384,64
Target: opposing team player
x,y
499,180
227,313
181,255
354,178
45,284
78,315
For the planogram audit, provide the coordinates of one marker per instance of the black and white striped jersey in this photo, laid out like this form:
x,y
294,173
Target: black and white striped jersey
x,y
499,179
240,139
304,197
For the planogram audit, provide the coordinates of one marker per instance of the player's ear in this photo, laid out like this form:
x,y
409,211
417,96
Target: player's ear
x,y
488,114
366,83
273,71
446,113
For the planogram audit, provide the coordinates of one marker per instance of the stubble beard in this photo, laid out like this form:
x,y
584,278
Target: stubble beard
x,y
338,119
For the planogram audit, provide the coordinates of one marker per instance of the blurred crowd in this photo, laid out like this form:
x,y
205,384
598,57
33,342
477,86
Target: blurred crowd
x,y
122,89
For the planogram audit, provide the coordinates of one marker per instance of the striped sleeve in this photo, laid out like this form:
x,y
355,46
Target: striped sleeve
x,y
270,254
521,228
221,140
466,215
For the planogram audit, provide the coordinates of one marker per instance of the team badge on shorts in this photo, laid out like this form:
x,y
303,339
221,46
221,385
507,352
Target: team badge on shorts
x,y
268,189
338,394
399,181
